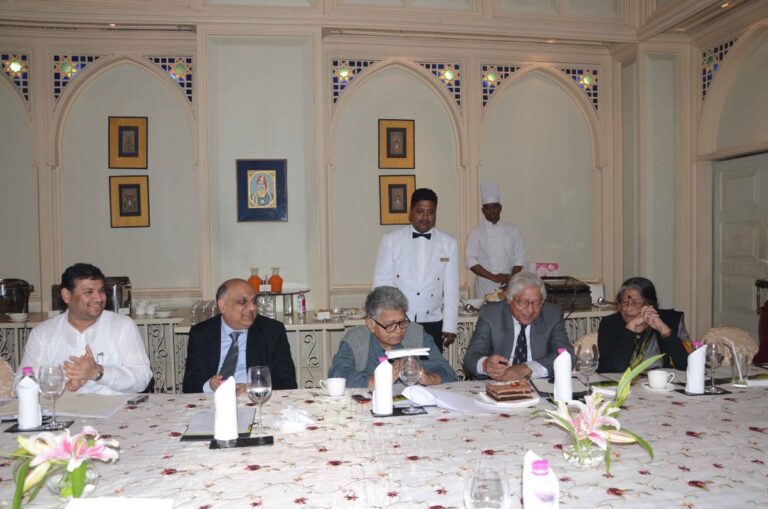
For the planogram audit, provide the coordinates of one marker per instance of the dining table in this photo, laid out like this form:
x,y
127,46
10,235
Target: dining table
x,y
709,452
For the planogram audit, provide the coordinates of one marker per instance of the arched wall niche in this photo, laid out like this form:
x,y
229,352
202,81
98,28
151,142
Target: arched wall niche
x,y
395,89
541,134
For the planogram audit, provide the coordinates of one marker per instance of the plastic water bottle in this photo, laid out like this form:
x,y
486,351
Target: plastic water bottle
x,y
28,392
302,304
543,489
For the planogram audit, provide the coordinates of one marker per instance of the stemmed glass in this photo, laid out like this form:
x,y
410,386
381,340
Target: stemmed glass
x,y
410,373
714,359
486,488
259,389
52,384
587,358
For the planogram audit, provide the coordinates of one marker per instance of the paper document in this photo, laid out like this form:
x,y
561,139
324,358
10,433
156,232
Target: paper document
x,y
97,406
405,352
202,424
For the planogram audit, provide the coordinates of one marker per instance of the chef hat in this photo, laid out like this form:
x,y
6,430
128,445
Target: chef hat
x,y
489,193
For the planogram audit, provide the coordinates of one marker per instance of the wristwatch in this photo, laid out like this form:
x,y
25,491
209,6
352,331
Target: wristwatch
x,y
100,375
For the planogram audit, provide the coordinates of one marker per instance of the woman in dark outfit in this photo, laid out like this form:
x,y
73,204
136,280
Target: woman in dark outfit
x,y
640,330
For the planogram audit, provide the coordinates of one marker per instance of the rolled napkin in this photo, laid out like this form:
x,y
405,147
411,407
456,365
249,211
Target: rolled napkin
x,y
293,420
539,492
382,388
225,402
407,352
694,375
563,382
28,392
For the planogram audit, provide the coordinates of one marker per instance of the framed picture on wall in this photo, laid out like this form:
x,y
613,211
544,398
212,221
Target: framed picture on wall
x,y
262,190
396,144
394,196
129,201
128,143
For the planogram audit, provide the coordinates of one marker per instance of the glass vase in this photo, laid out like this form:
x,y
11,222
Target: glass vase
x,y
60,483
582,453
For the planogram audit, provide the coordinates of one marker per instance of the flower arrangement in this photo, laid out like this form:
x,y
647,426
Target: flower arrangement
x,y
595,423
68,456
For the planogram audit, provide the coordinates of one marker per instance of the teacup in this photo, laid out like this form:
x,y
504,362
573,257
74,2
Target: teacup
x,y
659,379
334,386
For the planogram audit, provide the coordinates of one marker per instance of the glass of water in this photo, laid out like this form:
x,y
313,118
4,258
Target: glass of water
x,y
486,488
52,385
259,389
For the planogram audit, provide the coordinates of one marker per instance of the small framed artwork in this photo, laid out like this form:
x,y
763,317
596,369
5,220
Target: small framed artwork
x,y
128,143
129,201
394,197
396,144
262,190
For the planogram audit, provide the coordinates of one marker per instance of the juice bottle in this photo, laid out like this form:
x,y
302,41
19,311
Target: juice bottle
x,y
276,281
255,281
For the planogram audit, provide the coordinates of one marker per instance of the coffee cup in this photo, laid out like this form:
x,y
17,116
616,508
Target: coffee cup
x,y
659,379
334,386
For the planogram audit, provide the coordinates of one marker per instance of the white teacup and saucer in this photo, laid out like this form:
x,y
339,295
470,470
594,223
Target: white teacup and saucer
x,y
335,388
659,380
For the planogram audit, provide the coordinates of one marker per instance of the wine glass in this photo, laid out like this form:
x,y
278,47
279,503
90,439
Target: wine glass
x,y
52,383
714,359
486,488
259,389
410,374
587,358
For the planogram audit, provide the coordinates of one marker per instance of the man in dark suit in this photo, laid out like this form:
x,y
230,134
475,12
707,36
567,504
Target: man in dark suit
x,y
519,338
229,343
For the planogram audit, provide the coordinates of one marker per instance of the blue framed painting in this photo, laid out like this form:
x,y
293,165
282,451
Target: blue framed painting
x,y
262,190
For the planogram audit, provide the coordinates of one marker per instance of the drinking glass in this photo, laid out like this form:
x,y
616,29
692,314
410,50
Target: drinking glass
x,y
714,359
587,358
52,383
486,488
259,389
410,373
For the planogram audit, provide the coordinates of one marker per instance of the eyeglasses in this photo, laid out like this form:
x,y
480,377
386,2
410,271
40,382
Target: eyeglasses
x,y
631,302
525,304
391,327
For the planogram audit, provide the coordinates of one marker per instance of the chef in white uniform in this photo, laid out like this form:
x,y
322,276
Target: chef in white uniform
x,y
422,262
495,247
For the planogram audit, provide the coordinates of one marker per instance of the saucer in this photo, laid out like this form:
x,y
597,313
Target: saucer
x,y
668,388
328,396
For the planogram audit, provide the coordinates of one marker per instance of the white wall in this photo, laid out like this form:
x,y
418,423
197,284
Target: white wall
x,y
260,106
536,145
629,169
18,191
165,254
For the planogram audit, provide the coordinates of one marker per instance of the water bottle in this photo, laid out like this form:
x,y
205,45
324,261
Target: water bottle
x,y
302,304
28,391
544,490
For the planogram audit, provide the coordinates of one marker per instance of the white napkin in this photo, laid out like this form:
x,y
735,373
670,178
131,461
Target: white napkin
x,y
225,402
530,500
694,375
450,400
406,352
120,503
28,392
382,388
293,420
563,383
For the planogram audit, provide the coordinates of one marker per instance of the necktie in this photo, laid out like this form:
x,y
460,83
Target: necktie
x,y
521,348
230,361
416,235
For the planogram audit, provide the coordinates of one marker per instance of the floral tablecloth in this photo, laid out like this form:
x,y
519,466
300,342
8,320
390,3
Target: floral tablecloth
x,y
710,452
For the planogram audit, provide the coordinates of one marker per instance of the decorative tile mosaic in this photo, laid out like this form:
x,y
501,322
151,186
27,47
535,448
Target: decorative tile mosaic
x,y
66,68
179,69
449,75
493,77
587,79
711,58
344,71
16,68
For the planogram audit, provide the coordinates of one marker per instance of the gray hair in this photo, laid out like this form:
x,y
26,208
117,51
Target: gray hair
x,y
384,297
523,280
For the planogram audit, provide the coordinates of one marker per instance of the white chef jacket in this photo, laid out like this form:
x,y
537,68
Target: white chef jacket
x,y
498,248
426,271
114,340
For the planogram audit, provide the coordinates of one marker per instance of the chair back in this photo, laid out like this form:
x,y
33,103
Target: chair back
x,y
587,340
741,339
6,379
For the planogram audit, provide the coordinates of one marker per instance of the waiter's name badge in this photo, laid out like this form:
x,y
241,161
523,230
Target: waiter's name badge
x,y
444,259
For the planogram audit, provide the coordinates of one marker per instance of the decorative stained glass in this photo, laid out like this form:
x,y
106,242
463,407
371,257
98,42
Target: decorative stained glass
x,y
16,68
493,77
587,79
711,59
66,68
449,75
344,71
179,69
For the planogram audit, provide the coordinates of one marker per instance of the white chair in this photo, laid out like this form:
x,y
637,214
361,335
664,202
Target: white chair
x,y
741,339
6,379
587,340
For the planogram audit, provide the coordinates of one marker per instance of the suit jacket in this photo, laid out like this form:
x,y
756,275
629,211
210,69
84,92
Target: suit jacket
x,y
267,346
432,295
495,334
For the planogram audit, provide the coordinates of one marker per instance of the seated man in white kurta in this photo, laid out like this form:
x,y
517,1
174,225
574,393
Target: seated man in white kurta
x,y
102,352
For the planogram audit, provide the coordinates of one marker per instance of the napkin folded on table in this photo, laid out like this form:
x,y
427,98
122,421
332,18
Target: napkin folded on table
x,y
120,503
293,420
406,352
694,375
28,392
225,402
563,382
382,388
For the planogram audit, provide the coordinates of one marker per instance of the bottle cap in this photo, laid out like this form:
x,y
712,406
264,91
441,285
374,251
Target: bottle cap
x,y
540,467
27,371
697,344
560,350
383,358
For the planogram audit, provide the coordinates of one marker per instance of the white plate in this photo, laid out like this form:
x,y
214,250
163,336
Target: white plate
x,y
18,320
484,399
668,388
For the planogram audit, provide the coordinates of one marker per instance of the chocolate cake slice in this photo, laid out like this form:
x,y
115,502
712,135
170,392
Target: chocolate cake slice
x,y
512,391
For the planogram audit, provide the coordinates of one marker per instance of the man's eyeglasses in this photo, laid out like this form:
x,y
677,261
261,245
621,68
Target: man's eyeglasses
x,y
525,304
631,302
391,327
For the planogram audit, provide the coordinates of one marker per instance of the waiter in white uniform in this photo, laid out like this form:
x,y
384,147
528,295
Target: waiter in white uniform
x,y
495,247
423,263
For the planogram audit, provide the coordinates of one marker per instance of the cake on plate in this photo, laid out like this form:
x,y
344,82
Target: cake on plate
x,y
510,391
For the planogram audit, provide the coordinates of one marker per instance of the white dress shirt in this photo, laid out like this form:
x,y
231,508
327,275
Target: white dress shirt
x,y
537,370
497,248
114,340
241,370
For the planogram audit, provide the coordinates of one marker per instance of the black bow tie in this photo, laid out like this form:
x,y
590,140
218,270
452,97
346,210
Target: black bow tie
x,y
416,235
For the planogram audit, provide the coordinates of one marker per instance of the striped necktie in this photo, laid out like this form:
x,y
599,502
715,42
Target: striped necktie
x,y
230,361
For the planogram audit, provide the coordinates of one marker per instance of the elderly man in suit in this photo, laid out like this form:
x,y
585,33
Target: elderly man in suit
x,y
519,338
228,344
423,263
